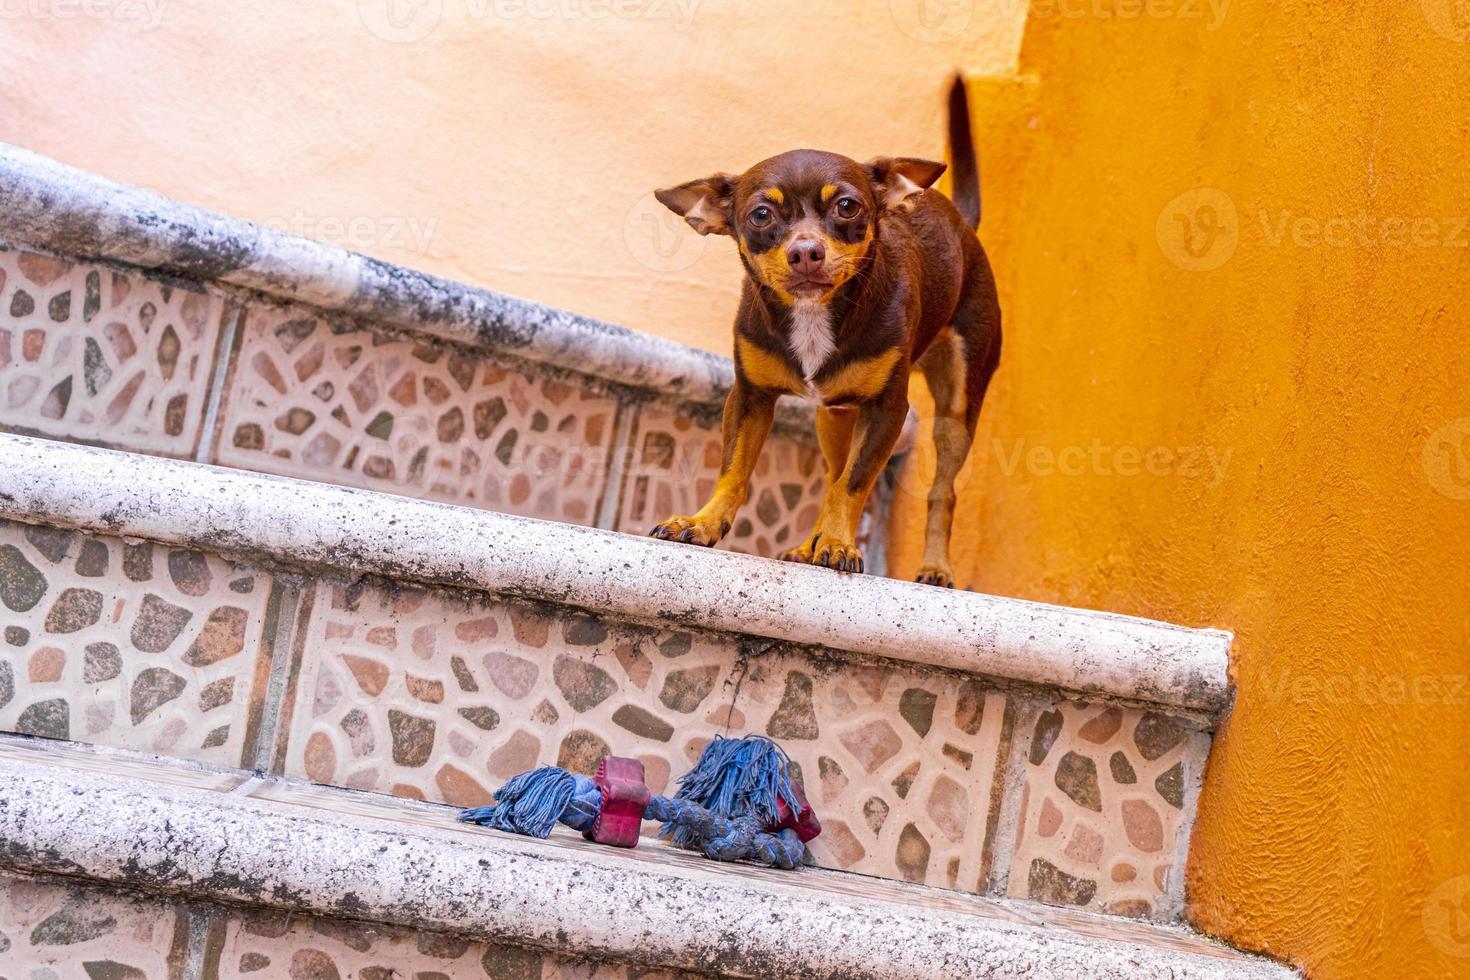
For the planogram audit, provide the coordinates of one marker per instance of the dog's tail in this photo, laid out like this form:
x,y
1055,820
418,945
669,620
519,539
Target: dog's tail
x,y
964,168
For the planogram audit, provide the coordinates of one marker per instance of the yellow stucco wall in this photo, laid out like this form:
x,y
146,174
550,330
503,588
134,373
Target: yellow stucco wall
x,y
509,143
1236,392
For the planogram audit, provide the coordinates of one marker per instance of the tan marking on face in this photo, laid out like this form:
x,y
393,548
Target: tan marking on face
x,y
827,191
775,194
860,380
766,370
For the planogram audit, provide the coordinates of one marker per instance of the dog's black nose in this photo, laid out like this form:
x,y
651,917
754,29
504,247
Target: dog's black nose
x,y
806,257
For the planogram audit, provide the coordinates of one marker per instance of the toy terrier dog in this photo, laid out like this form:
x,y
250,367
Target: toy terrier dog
x,y
855,275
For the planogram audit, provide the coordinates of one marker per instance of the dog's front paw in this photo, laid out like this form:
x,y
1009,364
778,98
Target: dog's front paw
x,y
828,553
691,530
935,575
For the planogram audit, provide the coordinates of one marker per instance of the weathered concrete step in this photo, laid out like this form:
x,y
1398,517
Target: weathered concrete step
x,y
953,739
220,836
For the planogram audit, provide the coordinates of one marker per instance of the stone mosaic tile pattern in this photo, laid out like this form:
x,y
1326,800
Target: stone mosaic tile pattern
x,y
100,357
1102,807
51,930
259,944
130,645
443,696
676,460
318,400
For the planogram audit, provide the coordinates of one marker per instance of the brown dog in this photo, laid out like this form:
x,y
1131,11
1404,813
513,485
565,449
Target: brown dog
x,y
856,274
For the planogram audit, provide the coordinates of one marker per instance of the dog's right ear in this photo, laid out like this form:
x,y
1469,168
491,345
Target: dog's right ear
x,y
708,204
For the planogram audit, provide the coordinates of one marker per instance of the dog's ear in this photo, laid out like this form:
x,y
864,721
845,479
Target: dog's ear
x,y
897,179
708,204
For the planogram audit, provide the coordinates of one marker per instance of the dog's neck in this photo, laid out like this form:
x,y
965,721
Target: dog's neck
x,y
811,339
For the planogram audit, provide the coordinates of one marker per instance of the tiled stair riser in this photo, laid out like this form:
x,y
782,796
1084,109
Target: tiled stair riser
x,y
131,644
1107,799
94,354
98,356
51,929
441,695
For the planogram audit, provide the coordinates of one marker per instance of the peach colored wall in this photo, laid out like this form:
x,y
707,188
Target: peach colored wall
x,y
509,143
1235,392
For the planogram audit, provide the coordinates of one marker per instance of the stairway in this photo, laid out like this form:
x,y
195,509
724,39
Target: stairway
x,y
297,547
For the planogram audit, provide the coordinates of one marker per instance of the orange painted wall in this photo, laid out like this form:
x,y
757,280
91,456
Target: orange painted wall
x,y
1312,334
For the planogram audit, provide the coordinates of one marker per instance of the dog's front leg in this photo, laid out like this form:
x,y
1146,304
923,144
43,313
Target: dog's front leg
x,y
875,431
747,421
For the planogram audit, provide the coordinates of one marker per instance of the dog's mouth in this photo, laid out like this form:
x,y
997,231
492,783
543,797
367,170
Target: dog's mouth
x,y
808,285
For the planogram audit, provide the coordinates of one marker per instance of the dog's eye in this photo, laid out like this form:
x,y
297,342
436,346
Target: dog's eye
x,y
761,216
848,207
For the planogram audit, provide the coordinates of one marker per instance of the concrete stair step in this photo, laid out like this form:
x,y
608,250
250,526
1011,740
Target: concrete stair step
x,y
971,742
366,865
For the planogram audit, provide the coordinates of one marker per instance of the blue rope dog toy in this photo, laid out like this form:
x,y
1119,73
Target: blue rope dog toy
x,y
738,803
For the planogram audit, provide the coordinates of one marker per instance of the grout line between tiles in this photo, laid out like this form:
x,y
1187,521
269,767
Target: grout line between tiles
x,y
209,436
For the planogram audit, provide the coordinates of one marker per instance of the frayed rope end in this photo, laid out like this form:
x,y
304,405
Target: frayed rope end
x,y
529,804
736,777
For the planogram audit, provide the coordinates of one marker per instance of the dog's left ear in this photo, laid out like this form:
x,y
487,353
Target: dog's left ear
x,y
897,179
706,204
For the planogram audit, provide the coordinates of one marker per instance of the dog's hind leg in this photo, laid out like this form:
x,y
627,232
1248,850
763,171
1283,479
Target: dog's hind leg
x,y
957,367
944,369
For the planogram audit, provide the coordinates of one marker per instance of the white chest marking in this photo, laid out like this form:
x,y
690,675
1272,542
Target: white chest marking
x,y
811,335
